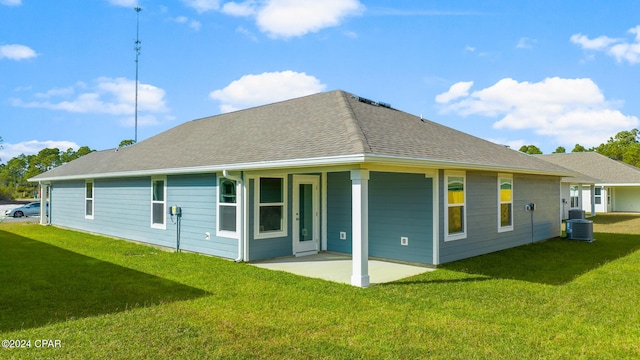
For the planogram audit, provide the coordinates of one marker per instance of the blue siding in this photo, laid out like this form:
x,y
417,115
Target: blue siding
x,y
400,205
196,195
339,211
482,215
123,209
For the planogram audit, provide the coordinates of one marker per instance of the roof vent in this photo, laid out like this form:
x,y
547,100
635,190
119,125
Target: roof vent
x,y
371,102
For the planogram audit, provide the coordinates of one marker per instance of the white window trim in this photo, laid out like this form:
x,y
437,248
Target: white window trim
x,y
500,202
162,226
227,233
596,196
92,198
256,209
463,234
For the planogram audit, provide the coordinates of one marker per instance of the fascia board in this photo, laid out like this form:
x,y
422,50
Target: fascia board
x,y
310,162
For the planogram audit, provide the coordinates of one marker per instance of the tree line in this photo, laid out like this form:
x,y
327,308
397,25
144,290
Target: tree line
x,y
15,173
624,147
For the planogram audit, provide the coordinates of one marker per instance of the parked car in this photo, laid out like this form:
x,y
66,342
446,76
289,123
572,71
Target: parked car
x,y
30,209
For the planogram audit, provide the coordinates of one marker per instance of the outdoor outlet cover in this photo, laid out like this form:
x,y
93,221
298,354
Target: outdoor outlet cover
x,y
404,241
207,236
343,235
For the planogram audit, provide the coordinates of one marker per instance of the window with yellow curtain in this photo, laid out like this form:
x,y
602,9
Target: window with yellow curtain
x,y
456,216
505,202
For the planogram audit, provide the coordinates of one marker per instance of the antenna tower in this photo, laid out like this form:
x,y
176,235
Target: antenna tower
x,y
137,49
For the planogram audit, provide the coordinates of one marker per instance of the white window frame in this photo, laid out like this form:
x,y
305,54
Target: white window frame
x,y
597,198
92,199
257,234
162,226
463,234
500,202
227,233
576,204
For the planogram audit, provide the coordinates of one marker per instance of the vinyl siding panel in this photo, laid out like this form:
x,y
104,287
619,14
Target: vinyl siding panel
x,y
339,212
482,215
123,209
67,204
400,205
196,195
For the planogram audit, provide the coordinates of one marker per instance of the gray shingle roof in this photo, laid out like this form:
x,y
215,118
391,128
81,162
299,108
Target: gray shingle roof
x,y
599,167
328,126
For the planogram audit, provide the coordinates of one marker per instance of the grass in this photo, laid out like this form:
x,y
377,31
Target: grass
x,y
110,299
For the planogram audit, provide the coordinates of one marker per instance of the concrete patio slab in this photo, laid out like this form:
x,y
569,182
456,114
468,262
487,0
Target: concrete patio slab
x,y
337,268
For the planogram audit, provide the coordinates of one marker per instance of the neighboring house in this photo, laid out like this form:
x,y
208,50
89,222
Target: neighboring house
x,y
326,172
576,193
617,184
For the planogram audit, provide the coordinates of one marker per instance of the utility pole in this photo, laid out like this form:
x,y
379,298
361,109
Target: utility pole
x,y
137,49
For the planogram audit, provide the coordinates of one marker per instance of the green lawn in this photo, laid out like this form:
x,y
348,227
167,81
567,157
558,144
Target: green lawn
x,y
111,299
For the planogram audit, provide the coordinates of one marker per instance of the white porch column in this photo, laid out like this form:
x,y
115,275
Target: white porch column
x,y
44,209
360,225
593,199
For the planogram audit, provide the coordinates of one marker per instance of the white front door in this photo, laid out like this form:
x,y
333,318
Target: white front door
x,y
306,214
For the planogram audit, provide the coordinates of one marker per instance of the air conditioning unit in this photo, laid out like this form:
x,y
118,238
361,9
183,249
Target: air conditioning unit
x,y
576,214
579,229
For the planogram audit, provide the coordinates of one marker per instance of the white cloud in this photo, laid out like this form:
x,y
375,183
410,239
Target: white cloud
x,y
456,90
32,147
569,110
107,96
11,2
202,5
526,43
246,8
193,24
621,50
598,43
16,52
124,3
288,18
265,88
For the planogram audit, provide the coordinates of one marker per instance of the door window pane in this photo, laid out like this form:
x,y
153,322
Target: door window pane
x,y
306,212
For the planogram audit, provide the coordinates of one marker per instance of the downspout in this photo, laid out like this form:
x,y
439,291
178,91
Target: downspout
x,y
240,181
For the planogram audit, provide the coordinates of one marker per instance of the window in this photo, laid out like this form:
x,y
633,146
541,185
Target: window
x,y
505,202
158,203
455,203
598,196
88,199
227,208
270,207
573,194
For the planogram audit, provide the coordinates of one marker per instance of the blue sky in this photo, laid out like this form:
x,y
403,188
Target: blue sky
x,y
548,73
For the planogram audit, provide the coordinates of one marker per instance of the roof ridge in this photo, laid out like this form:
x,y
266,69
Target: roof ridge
x,y
356,134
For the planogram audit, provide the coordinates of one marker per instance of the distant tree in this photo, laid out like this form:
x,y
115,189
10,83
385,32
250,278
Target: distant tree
x,y
14,175
624,144
125,143
1,145
530,149
579,148
560,150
